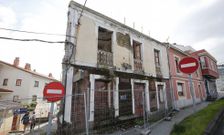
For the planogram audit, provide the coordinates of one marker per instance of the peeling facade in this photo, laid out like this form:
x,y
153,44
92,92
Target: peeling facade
x,y
113,64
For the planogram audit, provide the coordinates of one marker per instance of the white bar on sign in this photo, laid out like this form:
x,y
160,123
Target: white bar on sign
x,y
54,91
188,65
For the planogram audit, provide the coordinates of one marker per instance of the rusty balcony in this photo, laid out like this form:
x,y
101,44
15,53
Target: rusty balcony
x,y
104,58
138,65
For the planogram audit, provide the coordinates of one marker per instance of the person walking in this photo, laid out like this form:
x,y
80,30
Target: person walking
x,y
32,121
25,120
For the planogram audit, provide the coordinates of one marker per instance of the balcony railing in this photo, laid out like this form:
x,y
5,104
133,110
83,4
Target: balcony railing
x,y
138,65
104,58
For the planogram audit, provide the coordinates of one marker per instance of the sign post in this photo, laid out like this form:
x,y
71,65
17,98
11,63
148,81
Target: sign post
x,y
189,65
53,92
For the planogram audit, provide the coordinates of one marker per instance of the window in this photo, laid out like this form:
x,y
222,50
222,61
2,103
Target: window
x,y
180,89
34,98
5,82
203,63
104,40
18,82
177,63
36,84
157,59
137,50
15,98
196,73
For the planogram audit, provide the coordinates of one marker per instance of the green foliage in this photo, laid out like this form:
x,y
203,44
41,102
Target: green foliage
x,y
197,123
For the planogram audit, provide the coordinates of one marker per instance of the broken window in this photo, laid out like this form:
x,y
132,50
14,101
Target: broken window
x,y
157,58
137,50
104,39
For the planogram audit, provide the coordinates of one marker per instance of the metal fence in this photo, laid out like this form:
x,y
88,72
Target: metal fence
x,y
12,116
92,112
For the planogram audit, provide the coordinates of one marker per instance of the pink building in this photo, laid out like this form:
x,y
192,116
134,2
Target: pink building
x,y
180,81
209,72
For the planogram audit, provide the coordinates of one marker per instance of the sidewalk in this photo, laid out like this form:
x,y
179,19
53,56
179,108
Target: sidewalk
x,y
165,127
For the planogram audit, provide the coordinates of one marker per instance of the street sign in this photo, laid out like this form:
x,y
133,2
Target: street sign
x,y
20,111
188,65
54,91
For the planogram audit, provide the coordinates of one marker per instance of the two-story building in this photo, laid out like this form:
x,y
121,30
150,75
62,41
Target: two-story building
x,y
209,71
121,70
180,81
18,87
21,83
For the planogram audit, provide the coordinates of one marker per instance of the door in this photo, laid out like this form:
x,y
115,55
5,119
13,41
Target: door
x,y
102,101
161,96
138,91
125,97
15,122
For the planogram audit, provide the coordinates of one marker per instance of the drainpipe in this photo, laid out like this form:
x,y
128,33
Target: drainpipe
x,y
68,73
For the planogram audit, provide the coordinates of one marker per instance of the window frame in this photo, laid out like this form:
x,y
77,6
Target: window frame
x,y
18,82
183,89
5,82
36,84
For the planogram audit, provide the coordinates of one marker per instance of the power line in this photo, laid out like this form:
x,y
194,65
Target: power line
x,y
32,32
36,40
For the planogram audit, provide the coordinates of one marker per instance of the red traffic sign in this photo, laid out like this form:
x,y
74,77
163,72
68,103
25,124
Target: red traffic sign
x,y
188,65
54,91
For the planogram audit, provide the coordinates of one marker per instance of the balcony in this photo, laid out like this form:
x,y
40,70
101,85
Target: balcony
x,y
104,58
138,65
209,72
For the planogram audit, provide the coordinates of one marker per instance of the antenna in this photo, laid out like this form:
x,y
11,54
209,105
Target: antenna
x,y
133,25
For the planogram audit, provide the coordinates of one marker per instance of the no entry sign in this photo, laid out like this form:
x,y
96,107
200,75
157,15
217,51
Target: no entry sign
x,y
54,91
188,65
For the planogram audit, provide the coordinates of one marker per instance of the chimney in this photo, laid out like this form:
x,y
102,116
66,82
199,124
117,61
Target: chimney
x,y
50,75
28,66
16,62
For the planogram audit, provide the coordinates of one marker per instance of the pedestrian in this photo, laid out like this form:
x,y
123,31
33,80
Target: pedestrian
x,y
25,120
32,121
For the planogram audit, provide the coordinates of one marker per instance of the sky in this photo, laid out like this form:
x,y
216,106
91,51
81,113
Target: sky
x,y
198,23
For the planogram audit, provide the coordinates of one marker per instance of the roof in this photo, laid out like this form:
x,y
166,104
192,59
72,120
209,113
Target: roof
x,y
28,71
204,52
73,3
5,90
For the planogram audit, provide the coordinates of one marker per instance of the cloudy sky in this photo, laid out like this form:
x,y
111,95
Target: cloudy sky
x,y
198,23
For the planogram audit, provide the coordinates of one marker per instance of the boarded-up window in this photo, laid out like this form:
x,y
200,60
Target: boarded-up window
x,y
104,39
137,50
123,40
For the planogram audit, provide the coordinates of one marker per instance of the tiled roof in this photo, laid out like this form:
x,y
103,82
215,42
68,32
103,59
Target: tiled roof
x,y
28,71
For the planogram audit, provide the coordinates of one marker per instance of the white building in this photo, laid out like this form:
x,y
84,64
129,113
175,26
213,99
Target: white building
x,y
103,54
21,83
220,81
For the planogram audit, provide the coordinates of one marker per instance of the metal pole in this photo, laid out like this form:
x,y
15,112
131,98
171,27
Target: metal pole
x,y
86,119
143,98
50,119
192,92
